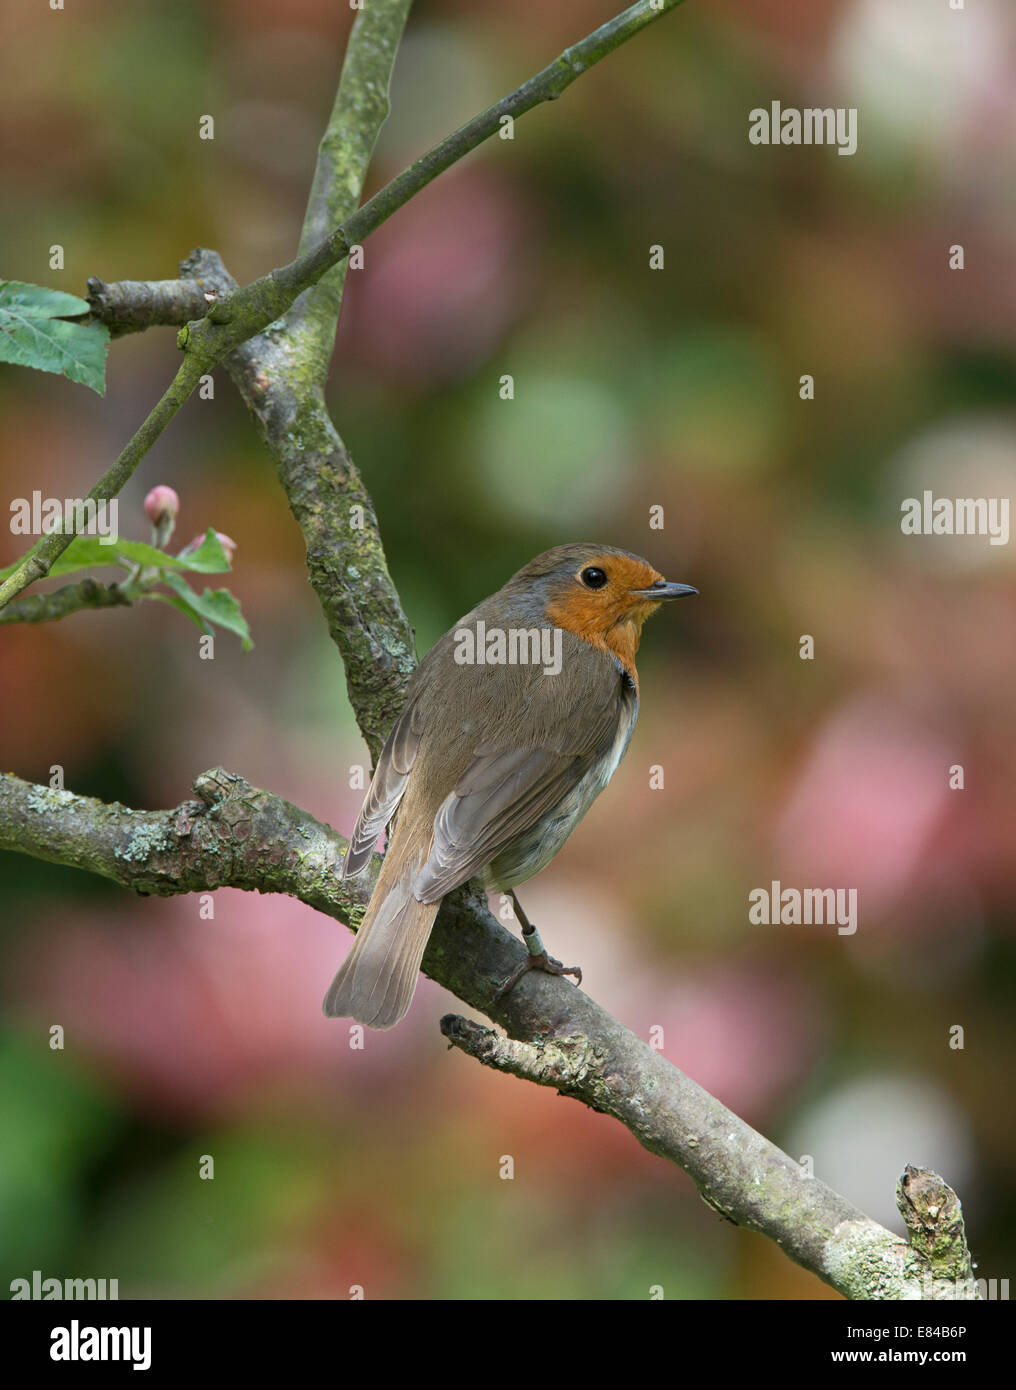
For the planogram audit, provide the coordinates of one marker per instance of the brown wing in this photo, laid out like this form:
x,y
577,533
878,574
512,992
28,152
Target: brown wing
x,y
387,789
504,792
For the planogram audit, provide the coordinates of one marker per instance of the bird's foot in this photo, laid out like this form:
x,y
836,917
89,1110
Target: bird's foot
x,y
537,959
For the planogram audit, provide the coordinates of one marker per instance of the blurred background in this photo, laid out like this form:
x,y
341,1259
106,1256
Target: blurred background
x,y
634,388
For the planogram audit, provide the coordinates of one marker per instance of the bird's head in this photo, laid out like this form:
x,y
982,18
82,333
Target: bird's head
x,y
599,593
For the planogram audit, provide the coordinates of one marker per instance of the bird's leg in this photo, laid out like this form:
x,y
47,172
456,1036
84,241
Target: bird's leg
x,y
537,959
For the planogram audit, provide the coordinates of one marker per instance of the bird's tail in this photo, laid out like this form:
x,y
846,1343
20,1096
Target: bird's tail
x,y
376,982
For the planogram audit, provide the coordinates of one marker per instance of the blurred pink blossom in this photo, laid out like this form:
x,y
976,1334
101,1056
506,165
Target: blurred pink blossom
x,y
440,281
197,1016
866,803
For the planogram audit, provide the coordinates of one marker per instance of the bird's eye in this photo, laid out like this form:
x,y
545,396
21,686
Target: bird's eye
x,y
593,577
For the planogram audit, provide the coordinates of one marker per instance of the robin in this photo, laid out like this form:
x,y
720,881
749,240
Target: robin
x,y
513,724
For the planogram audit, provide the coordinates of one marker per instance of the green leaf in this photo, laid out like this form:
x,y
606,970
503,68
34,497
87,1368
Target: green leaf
x,y
39,299
213,606
85,552
207,558
33,335
184,608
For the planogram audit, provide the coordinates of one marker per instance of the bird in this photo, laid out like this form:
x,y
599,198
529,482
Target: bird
x,y
513,723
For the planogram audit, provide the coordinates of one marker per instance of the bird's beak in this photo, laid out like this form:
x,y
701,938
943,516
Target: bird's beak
x,y
664,588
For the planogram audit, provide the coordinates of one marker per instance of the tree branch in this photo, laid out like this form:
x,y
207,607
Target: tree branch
x,y
359,111
236,835
250,310
48,608
281,376
130,306
933,1215
231,835
276,374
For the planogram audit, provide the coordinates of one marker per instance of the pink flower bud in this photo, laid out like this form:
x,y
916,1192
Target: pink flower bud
x,y
161,504
227,543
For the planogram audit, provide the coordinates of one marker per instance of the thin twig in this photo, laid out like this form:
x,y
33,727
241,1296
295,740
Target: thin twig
x,y
49,608
130,306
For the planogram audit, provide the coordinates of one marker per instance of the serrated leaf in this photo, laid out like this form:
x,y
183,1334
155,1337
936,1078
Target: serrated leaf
x,y
214,606
32,334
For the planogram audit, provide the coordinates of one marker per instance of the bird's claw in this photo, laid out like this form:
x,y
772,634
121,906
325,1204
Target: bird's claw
x,y
542,962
